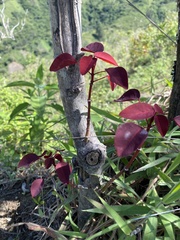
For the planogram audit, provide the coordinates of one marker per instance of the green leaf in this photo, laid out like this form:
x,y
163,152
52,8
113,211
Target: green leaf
x,y
165,214
124,210
117,218
150,229
73,234
169,83
157,162
99,208
18,109
39,73
109,116
168,228
57,107
103,232
73,224
165,179
20,84
51,87
172,195
174,164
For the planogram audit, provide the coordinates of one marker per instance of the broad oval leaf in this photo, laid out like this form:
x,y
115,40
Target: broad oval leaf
x,y
118,75
138,111
58,157
49,162
131,94
63,171
86,63
128,138
106,57
63,60
158,109
162,124
177,120
36,187
112,84
28,159
93,47
20,84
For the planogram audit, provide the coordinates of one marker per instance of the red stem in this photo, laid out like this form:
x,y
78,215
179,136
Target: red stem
x,y
89,103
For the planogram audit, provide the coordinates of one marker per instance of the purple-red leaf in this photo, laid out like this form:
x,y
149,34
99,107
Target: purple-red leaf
x,y
162,124
106,57
131,94
49,162
128,138
118,75
158,109
58,157
93,47
28,159
36,187
63,171
138,111
63,60
177,120
47,156
112,85
86,63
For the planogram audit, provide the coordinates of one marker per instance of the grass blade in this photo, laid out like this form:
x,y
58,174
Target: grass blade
x,y
122,224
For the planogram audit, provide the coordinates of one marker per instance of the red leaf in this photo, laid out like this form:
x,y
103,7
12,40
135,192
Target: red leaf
x,y
28,159
49,162
162,124
94,47
119,76
138,111
177,120
36,187
49,155
63,60
86,63
132,94
158,109
63,171
58,157
106,57
128,138
113,85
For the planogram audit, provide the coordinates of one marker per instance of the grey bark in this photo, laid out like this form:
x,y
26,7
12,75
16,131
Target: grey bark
x,y
91,154
174,105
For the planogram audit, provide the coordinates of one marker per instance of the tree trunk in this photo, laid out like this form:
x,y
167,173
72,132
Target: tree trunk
x,y
174,105
66,36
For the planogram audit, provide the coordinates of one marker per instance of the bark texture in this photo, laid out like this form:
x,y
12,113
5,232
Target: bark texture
x,y
174,105
91,154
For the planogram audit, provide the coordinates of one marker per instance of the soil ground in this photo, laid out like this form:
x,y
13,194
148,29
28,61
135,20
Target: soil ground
x,y
17,206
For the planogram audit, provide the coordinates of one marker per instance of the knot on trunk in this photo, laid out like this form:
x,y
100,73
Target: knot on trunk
x,y
93,158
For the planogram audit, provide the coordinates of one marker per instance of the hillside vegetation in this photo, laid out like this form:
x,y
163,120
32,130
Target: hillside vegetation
x,y
98,17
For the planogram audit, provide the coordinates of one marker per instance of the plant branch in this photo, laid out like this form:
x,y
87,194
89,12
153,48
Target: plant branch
x,y
89,103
